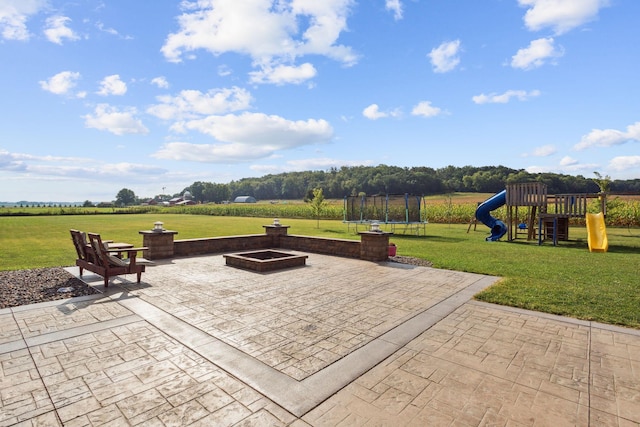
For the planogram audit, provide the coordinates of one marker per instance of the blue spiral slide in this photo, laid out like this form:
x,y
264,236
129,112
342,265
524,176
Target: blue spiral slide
x,y
483,214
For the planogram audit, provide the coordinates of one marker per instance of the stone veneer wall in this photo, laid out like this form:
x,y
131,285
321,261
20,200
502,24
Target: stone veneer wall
x,y
158,244
319,245
212,245
372,248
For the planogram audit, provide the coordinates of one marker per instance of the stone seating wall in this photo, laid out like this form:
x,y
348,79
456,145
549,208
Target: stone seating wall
x,y
212,245
373,246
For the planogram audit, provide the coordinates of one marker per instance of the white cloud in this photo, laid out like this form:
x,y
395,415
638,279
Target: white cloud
x,y
14,15
112,120
212,153
539,169
609,137
425,109
536,54
445,57
394,6
372,112
12,161
61,83
567,165
503,98
624,163
161,82
112,85
93,170
224,70
69,166
129,169
269,169
56,29
260,129
100,26
568,161
108,30
271,32
245,137
560,15
282,74
322,163
577,167
542,151
193,103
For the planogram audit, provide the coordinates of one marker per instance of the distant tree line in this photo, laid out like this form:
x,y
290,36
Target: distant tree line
x,y
383,179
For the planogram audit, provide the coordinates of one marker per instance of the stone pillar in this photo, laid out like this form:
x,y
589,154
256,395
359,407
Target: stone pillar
x,y
374,245
275,231
159,243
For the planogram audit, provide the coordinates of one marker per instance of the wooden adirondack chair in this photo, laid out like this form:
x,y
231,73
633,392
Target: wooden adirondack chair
x,y
96,257
84,251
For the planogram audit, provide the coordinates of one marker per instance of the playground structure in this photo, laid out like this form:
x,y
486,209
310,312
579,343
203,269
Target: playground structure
x,y
483,214
551,213
597,233
403,213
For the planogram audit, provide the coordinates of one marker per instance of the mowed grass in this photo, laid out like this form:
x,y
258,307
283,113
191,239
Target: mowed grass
x,y
44,241
567,279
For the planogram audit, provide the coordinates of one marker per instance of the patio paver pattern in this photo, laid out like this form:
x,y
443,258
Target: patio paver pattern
x,y
339,342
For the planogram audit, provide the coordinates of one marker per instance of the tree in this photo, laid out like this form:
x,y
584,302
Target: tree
x,y
125,197
317,204
383,179
216,192
197,191
87,204
603,182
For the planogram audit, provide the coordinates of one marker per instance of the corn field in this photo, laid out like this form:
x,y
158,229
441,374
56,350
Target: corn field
x,y
620,213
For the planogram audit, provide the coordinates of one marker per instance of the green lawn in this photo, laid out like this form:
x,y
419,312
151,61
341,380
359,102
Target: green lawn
x,y
566,279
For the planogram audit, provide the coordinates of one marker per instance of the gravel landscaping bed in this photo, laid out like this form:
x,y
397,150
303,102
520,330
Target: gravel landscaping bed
x,y
410,260
22,287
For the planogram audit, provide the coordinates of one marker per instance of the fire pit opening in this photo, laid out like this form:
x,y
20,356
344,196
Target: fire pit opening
x,y
265,260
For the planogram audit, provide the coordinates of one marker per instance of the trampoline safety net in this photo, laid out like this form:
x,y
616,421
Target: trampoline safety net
x,y
384,209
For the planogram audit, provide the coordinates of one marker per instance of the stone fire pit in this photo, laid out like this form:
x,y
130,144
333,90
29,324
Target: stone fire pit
x,y
265,260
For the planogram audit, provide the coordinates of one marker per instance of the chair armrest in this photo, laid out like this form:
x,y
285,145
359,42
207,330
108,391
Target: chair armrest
x,y
133,252
128,249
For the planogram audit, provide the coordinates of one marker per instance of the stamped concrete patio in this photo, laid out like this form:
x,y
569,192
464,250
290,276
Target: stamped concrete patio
x,y
340,342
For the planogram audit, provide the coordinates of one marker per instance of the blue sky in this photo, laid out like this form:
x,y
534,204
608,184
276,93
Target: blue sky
x,y
152,96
